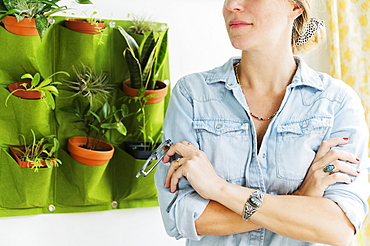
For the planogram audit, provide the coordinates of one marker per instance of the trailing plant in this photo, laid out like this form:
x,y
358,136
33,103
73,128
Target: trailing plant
x,y
143,122
47,87
141,24
40,150
145,61
89,83
96,124
38,9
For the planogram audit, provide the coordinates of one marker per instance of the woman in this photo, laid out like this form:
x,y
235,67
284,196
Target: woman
x,y
253,129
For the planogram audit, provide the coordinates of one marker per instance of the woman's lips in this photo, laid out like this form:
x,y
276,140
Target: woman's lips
x,y
238,24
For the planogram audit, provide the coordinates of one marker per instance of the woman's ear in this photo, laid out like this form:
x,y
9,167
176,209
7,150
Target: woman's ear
x,y
297,10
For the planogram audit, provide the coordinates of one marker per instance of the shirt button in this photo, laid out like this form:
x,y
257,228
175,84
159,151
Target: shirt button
x,y
263,155
219,126
230,84
304,125
254,155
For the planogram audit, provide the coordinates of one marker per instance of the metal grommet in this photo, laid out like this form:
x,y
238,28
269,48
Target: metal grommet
x,y
114,204
51,208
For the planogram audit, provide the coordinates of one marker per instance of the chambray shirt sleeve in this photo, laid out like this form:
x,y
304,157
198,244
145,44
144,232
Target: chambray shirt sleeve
x,y
349,122
179,220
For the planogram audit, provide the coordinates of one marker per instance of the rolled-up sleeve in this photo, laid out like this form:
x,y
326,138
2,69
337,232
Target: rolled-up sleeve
x,y
350,123
179,217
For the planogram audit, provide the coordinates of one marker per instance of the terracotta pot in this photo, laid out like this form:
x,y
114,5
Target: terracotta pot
x,y
16,155
23,93
81,25
87,156
26,27
161,91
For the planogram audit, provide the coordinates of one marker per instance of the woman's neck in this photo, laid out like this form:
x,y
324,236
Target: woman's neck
x,y
266,71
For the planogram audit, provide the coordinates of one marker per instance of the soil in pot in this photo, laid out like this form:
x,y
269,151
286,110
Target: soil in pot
x,y
138,149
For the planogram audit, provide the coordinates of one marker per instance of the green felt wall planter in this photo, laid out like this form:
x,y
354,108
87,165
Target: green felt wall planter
x,y
71,187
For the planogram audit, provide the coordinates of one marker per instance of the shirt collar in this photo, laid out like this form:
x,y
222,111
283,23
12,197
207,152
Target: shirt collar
x,y
304,76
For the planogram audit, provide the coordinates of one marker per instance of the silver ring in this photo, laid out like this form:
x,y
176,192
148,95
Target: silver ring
x,y
329,168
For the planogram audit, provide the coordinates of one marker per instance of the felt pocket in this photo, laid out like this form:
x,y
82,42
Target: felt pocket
x,y
22,187
131,192
21,115
82,185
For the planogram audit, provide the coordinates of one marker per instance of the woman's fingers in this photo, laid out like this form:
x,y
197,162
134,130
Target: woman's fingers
x,y
334,155
338,178
326,146
176,164
343,167
182,148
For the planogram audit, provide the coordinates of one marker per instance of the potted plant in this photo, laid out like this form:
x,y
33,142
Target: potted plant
x,y
144,64
141,24
40,153
90,25
29,17
145,142
36,88
91,149
90,84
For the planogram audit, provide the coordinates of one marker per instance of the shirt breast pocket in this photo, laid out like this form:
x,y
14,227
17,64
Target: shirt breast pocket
x,y
227,145
297,144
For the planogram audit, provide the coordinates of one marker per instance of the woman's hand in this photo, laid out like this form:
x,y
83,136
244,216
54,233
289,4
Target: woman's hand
x,y
195,166
317,180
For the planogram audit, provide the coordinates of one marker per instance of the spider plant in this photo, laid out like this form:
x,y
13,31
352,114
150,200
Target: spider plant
x,y
39,151
47,87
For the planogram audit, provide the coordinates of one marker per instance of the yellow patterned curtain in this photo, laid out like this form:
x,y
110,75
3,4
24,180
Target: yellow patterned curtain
x,y
349,35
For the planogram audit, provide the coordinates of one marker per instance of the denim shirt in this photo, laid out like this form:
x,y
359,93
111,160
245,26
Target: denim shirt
x,y
209,110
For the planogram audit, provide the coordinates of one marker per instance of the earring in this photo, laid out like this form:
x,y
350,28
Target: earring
x,y
309,30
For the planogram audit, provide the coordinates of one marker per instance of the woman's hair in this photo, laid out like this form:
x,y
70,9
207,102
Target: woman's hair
x,y
298,28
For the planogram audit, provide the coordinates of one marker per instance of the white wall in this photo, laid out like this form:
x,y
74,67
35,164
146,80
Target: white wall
x,y
198,41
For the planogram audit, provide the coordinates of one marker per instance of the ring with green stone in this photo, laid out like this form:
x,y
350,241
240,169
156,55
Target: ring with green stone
x,y
329,168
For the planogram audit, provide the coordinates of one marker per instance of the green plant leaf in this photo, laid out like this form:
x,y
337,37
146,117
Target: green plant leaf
x,y
36,80
135,69
44,83
83,2
42,24
95,115
146,48
50,88
106,110
8,4
131,43
50,100
161,56
124,110
27,76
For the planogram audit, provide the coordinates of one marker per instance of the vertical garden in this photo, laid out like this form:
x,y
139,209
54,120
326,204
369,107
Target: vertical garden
x,y
81,79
